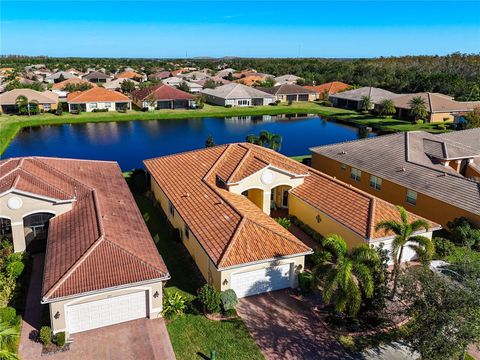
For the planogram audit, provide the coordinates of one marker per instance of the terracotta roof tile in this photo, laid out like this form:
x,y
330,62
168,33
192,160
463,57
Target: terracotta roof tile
x,y
103,240
330,88
96,94
161,92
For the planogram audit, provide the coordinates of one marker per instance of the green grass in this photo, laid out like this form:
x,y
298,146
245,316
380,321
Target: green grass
x,y
11,124
300,158
193,335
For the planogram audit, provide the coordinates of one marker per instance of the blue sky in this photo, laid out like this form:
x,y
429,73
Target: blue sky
x,y
240,28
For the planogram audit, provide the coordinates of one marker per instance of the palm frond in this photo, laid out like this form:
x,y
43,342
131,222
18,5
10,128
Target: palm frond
x,y
403,214
335,244
419,224
389,225
364,276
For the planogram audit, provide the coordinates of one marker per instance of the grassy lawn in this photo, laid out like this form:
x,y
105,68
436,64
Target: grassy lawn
x,y
193,336
300,158
11,124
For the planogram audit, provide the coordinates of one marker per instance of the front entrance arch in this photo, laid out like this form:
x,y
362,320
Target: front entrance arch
x,y
279,199
35,226
254,195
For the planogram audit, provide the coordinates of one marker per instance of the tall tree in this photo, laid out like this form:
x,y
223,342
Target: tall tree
x,y
418,108
473,118
210,142
445,314
270,140
127,86
386,107
405,233
365,103
346,275
22,104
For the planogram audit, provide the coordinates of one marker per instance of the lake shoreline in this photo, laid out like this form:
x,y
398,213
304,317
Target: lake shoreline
x,y
10,125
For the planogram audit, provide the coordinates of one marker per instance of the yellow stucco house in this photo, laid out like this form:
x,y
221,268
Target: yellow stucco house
x,y
220,200
434,176
101,264
44,100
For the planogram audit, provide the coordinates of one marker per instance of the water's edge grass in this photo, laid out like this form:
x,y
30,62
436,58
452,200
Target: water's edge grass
x,y
10,125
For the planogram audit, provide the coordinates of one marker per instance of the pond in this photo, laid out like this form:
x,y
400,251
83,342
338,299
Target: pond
x,y
131,142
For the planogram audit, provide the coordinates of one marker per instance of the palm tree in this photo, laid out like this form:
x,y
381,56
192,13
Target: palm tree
x,y
365,103
22,104
347,275
405,233
418,107
269,140
8,336
252,139
386,107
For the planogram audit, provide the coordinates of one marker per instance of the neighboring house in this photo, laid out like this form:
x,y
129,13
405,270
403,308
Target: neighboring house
x,y
159,75
287,79
251,80
131,75
225,72
352,99
218,81
176,81
162,97
220,200
434,176
196,75
45,100
58,77
98,98
234,94
440,107
324,91
116,84
101,264
97,77
290,92
60,88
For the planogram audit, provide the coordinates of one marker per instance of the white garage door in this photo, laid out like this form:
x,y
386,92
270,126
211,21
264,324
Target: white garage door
x,y
262,280
106,312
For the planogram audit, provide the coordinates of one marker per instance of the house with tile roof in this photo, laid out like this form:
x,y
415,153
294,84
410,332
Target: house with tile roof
x,y
58,77
220,200
290,92
434,176
131,75
323,91
352,99
44,100
97,77
98,98
287,79
440,107
162,97
234,94
101,264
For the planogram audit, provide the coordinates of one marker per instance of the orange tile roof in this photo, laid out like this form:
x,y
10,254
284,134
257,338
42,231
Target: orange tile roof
x,y
251,80
229,227
96,94
128,75
330,88
102,242
71,81
220,219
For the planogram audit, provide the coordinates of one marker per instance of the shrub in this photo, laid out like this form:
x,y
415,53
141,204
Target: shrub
x,y
228,105
443,247
286,223
273,103
174,305
46,335
99,110
419,122
229,300
305,281
327,103
15,269
348,342
61,339
7,315
210,299
441,126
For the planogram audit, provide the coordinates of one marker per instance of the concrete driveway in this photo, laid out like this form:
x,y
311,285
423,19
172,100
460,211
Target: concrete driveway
x,y
284,327
133,340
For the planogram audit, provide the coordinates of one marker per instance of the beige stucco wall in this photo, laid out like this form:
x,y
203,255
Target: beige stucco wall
x,y
30,205
440,117
154,305
308,214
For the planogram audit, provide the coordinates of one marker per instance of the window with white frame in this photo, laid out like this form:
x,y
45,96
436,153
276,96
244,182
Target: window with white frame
x,y
108,105
46,107
375,182
411,197
93,105
355,174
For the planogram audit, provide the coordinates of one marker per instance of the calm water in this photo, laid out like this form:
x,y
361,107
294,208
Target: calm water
x,y
131,142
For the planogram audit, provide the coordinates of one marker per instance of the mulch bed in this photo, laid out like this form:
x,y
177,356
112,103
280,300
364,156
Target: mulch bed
x,y
54,349
220,317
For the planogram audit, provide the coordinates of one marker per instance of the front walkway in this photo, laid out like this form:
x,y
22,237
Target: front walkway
x,y
133,340
285,327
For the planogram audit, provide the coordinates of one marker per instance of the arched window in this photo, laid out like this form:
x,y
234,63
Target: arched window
x,y
36,225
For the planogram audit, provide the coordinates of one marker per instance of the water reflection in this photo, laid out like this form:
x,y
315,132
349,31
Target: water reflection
x,y
131,142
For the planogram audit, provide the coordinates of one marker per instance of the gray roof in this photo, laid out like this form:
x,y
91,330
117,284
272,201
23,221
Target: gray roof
x,y
288,89
411,159
236,91
45,97
376,94
66,75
